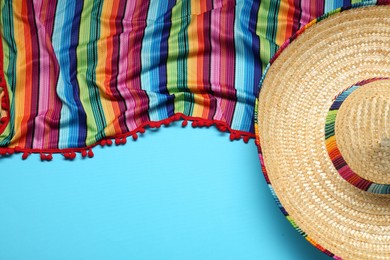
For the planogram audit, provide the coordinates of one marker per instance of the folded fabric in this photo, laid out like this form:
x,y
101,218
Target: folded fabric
x,y
77,73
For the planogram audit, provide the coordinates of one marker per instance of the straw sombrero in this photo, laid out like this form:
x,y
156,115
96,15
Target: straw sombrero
x,y
324,132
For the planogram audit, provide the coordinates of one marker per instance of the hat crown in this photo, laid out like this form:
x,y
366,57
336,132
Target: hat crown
x,y
362,131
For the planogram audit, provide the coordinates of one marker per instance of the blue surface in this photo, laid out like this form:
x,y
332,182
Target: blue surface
x,y
173,194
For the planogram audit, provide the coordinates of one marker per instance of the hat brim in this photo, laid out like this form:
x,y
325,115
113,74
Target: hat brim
x,y
329,56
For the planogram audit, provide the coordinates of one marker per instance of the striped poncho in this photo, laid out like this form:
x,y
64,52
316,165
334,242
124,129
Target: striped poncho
x,y
77,73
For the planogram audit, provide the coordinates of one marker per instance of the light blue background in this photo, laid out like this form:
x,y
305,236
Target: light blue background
x,y
173,194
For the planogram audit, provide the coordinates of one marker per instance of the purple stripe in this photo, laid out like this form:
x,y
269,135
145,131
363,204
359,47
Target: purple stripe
x,y
82,118
207,60
164,57
256,52
50,16
229,92
297,16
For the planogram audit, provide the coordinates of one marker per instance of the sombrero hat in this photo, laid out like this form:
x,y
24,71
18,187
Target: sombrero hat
x,y
324,132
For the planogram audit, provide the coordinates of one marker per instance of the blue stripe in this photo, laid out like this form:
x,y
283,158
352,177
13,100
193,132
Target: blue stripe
x,y
164,58
150,75
82,122
69,129
245,65
59,45
257,62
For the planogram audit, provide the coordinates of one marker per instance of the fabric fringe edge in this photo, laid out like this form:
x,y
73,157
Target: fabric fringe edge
x,y
86,152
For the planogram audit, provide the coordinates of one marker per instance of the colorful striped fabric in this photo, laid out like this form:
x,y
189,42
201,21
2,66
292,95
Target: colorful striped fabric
x,y
77,73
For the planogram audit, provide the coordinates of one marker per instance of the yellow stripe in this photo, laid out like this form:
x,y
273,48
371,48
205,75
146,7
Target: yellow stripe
x,y
21,73
82,64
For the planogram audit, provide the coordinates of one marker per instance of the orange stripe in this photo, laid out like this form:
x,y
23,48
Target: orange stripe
x,y
25,71
282,23
192,63
290,19
103,68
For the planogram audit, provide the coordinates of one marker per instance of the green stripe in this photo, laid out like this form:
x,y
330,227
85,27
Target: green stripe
x,y
9,55
273,25
177,58
266,29
173,53
183,63
89,34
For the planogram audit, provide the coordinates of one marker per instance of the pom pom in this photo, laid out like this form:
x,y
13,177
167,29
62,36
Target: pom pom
x,y
90,153
184,123
46,157
109,142
246,139
72,155
222,128
123,141
118,141
236,136
208,123
25,156
84,153
135,137
141,130
194,124
103,142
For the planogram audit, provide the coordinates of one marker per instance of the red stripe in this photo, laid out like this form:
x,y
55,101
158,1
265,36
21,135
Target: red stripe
x,y
5,100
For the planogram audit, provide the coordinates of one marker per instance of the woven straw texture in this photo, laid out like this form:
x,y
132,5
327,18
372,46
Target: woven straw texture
x,y
362,131
296,94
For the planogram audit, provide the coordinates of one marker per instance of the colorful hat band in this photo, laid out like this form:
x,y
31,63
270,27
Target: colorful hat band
x,y
334,152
